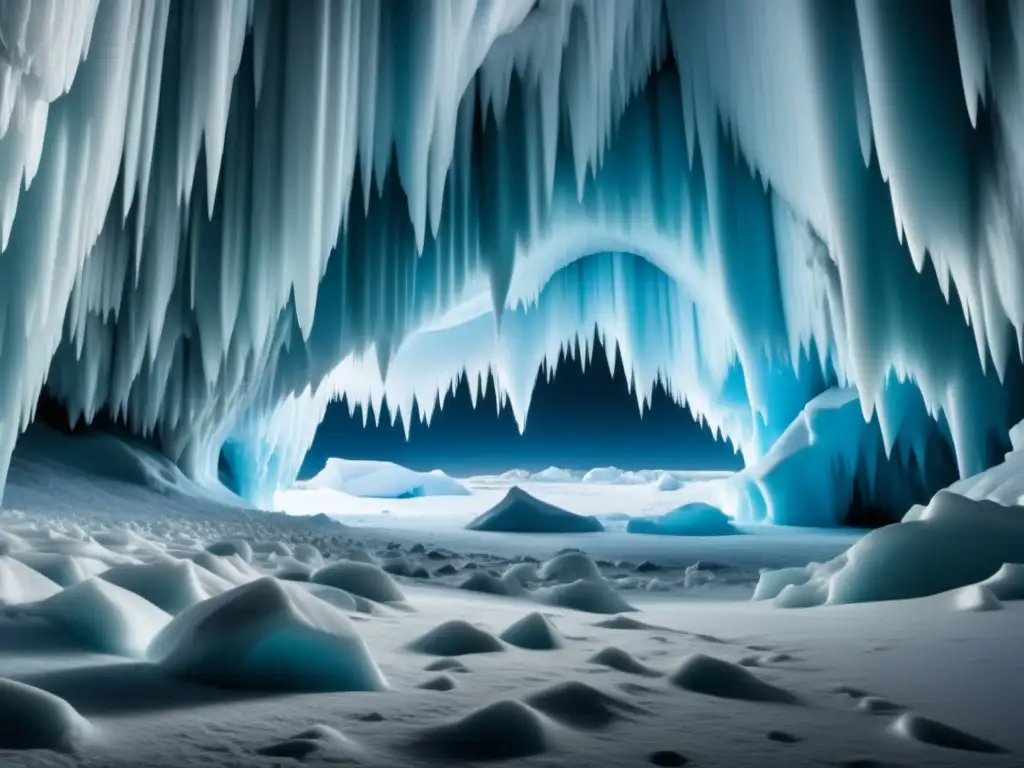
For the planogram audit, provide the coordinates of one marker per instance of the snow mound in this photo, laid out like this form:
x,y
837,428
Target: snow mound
x,y
534,632
21,584
290,569
104,616
172,585
694,519
553,475
267,635
489,585
624,622
1007,583
876,705
361,579
440,683
668,482
951,543
446,665
456,638
319,740
622,661
382,480
231,568
11,542
519,512
230,547
35,719
923,729
570,566
711,676
521,574
360,555
612,476
65,570
583,595
339,598
308,554
975,598
576,704
500,731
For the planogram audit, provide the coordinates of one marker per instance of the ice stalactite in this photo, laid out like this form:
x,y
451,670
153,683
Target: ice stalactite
x,y
215,213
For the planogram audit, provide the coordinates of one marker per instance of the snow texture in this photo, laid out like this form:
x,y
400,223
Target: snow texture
x,y
519,512
267,635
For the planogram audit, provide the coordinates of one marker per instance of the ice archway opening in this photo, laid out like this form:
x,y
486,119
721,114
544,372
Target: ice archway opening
x,y
207,207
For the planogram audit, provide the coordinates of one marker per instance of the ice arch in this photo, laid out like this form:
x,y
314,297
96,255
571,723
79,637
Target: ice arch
x,y
207,206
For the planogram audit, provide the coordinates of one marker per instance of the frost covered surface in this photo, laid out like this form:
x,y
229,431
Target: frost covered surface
x,y
568,683
719,189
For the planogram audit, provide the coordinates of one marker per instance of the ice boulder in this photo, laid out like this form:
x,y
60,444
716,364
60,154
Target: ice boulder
x,y
694,519
21,584
104,616
31,718
307,553
578,705
172,585
229,547
456,638
570,566
668,482
519,512
583,595
534,632
503,730
711,676
11,542
361,579
267,635
382,480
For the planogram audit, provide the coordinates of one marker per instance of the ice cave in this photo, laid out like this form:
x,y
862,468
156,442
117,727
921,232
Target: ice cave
x,y
229,226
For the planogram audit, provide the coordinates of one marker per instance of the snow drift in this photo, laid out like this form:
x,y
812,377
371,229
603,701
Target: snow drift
x,y
950,543
382,480
267,635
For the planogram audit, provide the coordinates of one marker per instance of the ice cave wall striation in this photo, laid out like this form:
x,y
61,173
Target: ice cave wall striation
x,y
216,216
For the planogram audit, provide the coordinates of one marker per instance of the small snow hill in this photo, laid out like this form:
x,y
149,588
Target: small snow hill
x,y
382,480
519,512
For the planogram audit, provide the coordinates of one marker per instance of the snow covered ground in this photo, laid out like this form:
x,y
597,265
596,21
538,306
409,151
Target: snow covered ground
x,y
694,672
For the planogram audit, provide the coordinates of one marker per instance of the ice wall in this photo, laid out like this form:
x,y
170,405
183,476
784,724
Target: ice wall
x,y
213,213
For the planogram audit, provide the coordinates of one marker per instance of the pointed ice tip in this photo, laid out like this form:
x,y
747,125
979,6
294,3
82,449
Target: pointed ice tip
x,y
383,349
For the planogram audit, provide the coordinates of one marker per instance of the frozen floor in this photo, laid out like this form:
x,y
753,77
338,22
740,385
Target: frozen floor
x,y
920,658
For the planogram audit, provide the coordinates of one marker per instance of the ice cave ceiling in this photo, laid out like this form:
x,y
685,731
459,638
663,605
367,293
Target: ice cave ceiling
x,y
216,216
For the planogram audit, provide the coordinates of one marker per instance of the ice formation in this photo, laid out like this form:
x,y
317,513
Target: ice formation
x,y
215,217
382,480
